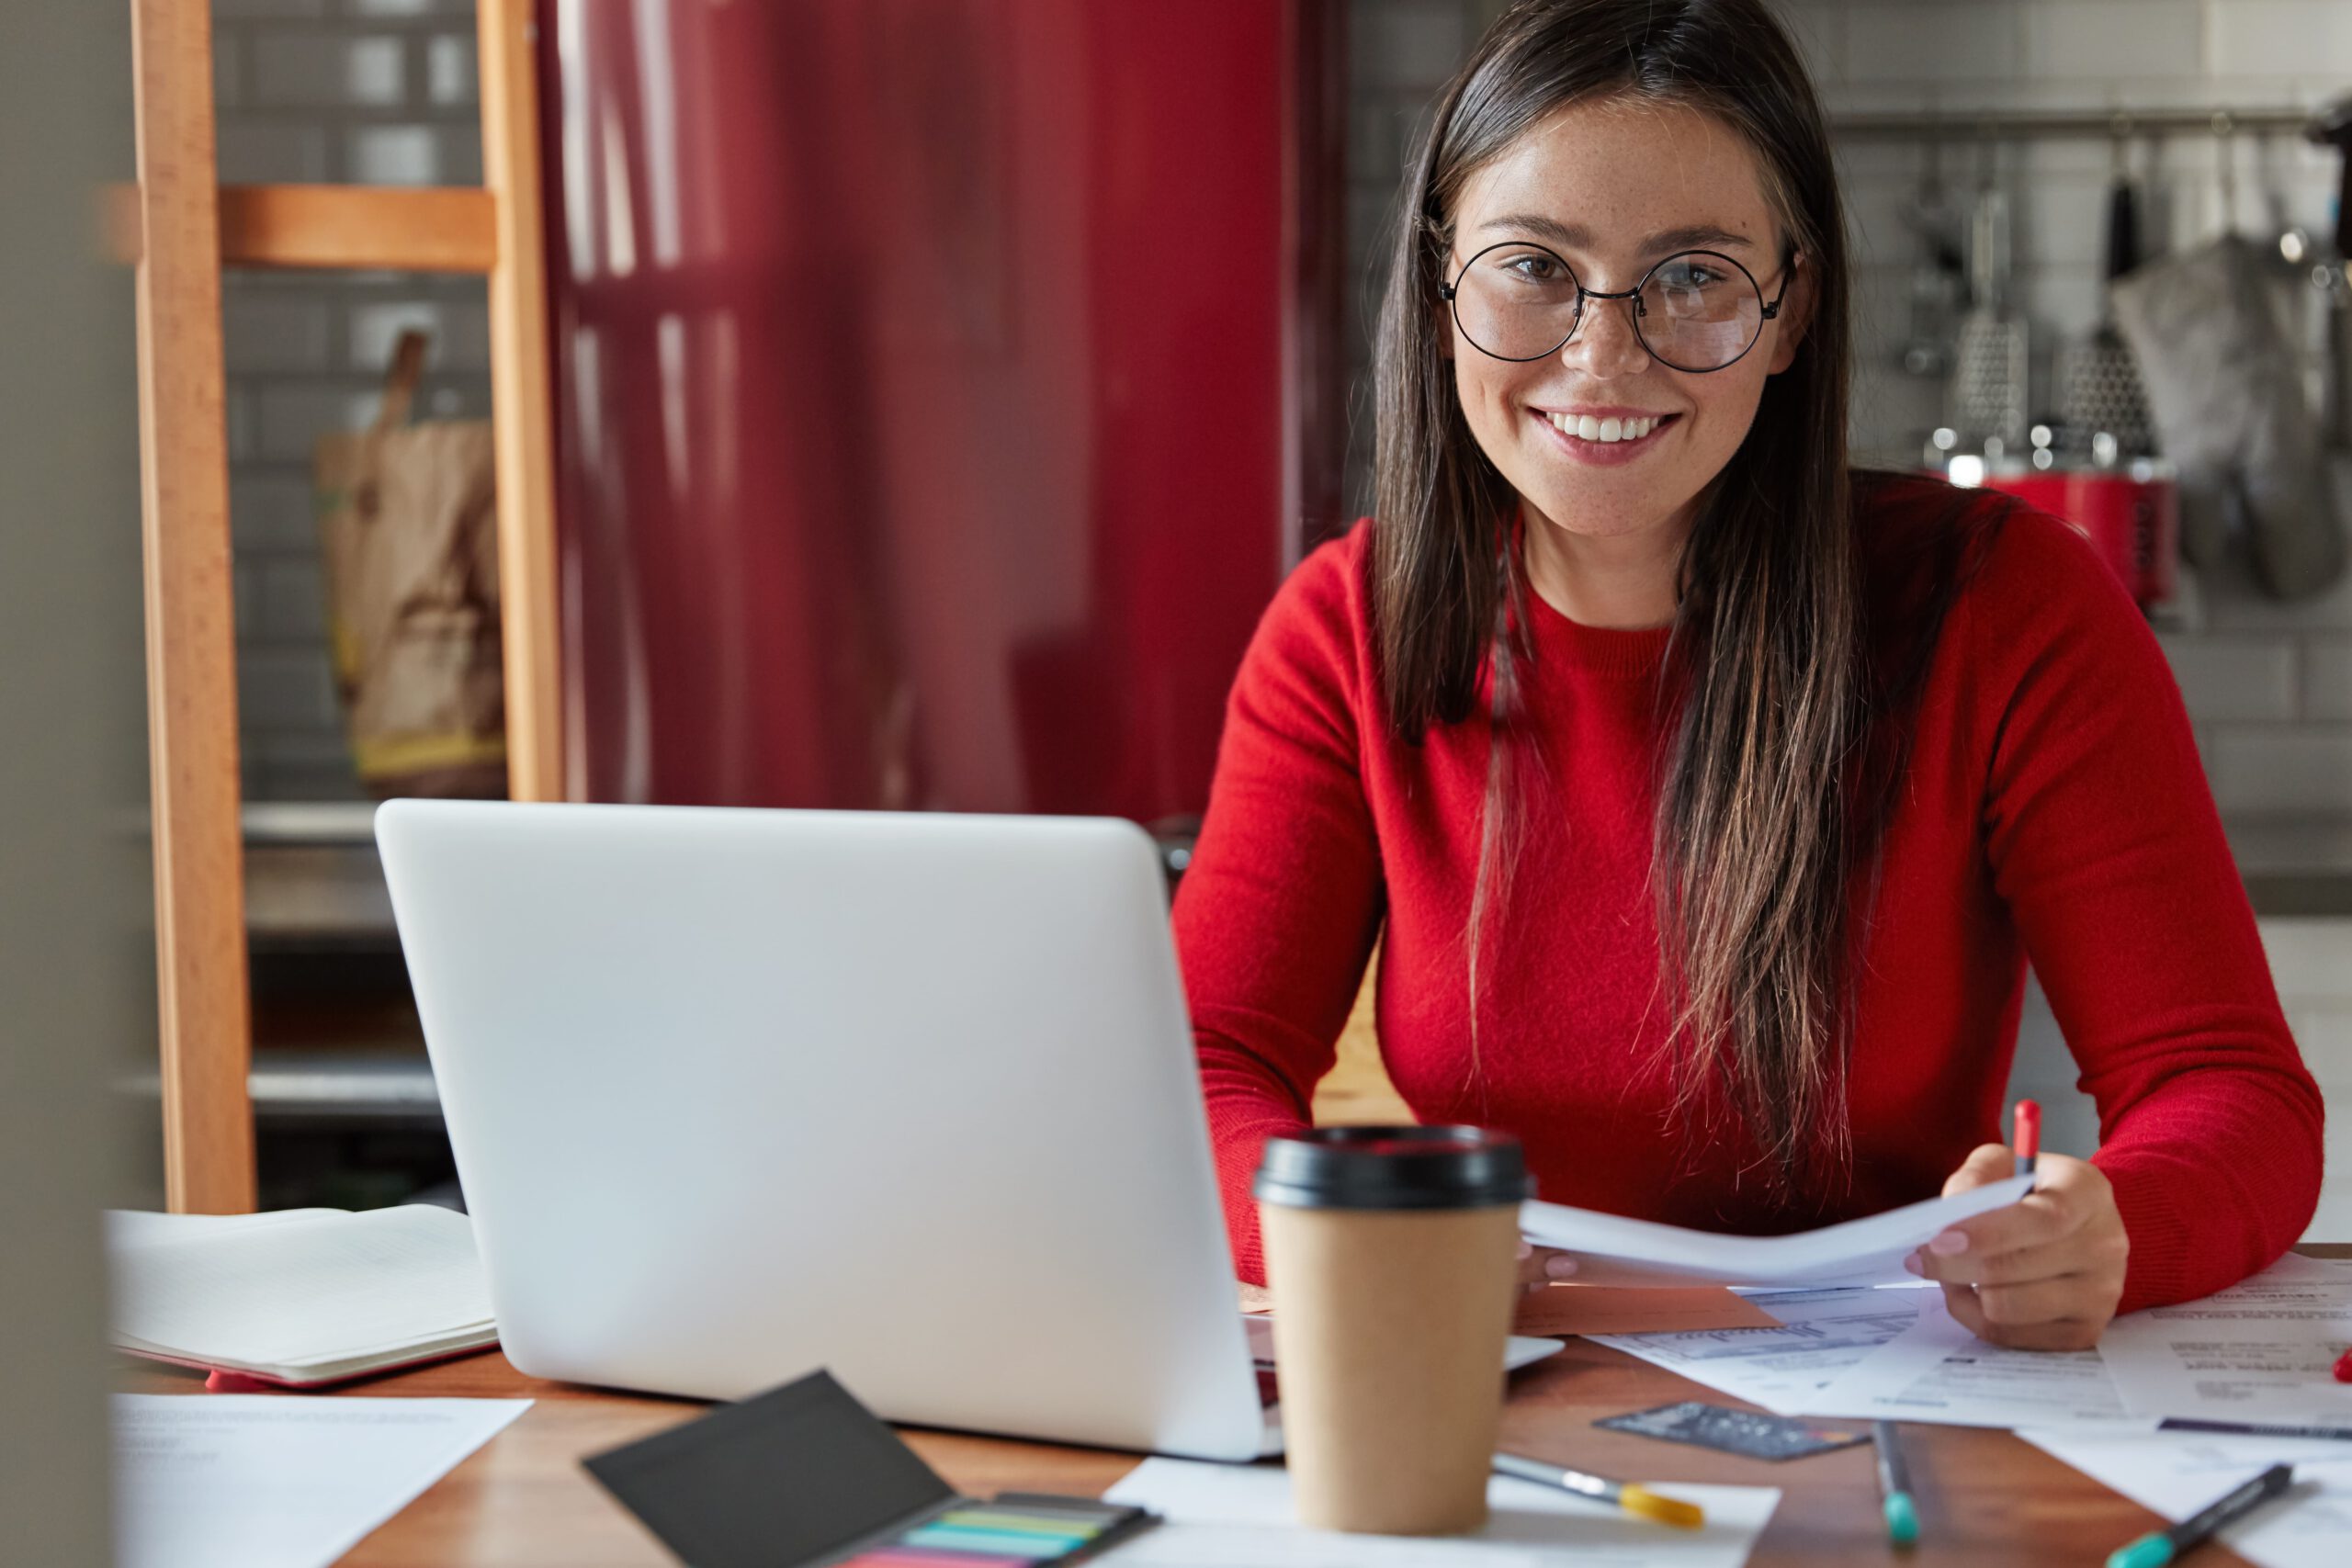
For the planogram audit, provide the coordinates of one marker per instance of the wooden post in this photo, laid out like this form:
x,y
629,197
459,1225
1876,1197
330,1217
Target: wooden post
x,y
207,1040
521,402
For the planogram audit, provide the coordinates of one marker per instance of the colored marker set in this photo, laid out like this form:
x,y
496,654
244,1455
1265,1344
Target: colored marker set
x,y
804,1476
1017,1530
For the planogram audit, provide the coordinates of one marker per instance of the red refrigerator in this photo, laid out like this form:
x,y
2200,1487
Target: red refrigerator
x,y
944,388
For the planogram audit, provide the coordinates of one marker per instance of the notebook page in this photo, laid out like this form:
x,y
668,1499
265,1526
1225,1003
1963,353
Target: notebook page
x,y
137,1227
296,1294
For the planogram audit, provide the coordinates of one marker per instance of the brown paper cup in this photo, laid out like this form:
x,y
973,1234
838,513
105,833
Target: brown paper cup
x,y
1389,1324
1388,1348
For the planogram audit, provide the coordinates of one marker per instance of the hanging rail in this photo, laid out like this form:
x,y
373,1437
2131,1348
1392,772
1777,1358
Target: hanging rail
x,y
1960,124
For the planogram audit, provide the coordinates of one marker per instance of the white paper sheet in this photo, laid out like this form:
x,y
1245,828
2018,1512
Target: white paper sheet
x,y
1613,1251
1938,1370
277,1481
2175,1474
1223,1515
1822,1334
2263,1350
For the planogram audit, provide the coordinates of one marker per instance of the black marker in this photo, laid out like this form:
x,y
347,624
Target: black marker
x,y
2161,1547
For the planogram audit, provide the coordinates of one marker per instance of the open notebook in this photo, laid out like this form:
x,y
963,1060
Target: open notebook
x,y
301,1296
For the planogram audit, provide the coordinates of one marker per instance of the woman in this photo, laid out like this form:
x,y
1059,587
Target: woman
x,y
1708,800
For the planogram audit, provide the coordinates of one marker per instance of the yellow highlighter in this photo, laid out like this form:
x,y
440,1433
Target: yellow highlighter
x,y
1638,1501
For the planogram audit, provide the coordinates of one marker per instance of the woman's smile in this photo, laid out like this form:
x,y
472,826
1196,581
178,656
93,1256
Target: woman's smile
x,y
1604,437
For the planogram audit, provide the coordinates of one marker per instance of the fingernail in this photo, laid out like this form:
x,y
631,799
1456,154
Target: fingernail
x,y
1526,1249
1556,1268
1950,1244
1911,1263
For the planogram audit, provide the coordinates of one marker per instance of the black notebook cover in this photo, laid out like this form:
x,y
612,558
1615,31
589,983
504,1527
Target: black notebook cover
x,y
798,1474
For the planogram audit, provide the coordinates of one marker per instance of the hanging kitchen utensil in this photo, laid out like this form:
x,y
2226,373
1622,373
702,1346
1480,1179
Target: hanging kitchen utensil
x,y
2332,126
1938,276
2227,396
2100,390
1988,384
2225,173
2299,285
2293,246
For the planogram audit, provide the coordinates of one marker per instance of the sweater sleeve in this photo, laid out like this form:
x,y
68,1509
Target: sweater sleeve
x,y
1277,912
2105,844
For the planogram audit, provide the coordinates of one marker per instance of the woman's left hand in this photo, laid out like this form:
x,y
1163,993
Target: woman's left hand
x,y
2043,1274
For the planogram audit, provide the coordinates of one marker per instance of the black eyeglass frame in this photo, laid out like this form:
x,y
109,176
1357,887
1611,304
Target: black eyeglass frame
x,y
1451,294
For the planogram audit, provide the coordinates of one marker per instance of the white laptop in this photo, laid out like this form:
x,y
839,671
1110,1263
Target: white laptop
x,y
736,1094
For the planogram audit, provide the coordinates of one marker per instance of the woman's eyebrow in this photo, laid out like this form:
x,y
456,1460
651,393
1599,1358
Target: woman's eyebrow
x,y
1577,236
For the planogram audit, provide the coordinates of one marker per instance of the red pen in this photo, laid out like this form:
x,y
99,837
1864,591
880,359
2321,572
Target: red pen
x,y
2344,1367
2025,1136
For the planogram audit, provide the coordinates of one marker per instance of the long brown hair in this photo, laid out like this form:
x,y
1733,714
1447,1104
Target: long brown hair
x,y
1756,834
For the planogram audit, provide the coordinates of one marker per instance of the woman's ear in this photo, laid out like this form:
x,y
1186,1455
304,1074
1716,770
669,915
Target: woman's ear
x,y
1795,315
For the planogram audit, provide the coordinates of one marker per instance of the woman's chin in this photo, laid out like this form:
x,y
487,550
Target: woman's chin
x,y
1603,510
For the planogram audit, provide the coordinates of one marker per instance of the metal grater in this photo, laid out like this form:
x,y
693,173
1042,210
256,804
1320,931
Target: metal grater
x,y
2099,387
2101,392
1989,359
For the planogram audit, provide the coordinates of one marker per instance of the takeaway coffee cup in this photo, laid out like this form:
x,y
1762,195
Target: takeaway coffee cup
x,y
1392,1256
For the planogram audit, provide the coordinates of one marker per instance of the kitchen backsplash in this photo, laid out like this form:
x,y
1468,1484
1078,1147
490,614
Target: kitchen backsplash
x,y
2269,685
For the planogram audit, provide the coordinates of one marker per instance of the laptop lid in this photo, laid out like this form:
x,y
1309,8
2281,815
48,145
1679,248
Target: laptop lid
x,y
738,1094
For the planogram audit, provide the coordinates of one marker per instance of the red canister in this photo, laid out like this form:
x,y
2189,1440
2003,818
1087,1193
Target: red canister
x,y
2130,512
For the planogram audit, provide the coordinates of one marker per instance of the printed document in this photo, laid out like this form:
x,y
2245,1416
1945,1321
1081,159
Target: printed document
x,y
1225,1516
1613,1251
266,1481
1938,1370
2175,1474
1820,1334
2262,1351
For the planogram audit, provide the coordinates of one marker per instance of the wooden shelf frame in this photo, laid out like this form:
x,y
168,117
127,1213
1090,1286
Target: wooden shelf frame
x,y
180,227
451,229
206,1037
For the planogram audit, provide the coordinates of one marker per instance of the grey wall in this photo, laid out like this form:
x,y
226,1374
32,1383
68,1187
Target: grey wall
x,y
2268,686
69,703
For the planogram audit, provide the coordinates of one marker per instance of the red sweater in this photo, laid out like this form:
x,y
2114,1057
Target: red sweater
x,y
2053,807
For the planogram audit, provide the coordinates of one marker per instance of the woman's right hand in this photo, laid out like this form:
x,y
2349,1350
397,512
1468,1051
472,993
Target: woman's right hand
x,y
1542,1266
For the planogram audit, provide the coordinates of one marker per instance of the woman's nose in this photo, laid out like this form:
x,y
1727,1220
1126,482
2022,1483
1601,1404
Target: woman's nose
x,y
1605,343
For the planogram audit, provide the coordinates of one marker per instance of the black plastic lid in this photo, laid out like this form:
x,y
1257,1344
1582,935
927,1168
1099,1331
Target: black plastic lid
x,y
1393,1167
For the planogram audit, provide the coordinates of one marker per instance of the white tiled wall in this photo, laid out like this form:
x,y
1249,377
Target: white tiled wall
x,y
2308,961
2268,686
363,91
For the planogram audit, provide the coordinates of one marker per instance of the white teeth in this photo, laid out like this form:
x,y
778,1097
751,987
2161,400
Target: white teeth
x,y
1585,427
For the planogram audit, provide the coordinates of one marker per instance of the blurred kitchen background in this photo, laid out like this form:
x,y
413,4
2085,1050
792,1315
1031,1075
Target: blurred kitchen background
x,y
1934,102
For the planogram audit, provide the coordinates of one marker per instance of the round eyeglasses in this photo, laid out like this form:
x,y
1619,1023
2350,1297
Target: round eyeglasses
x,y
1695,310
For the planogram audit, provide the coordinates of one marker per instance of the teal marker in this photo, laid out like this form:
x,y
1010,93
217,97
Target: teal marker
x,y
2156,1550
1894,1486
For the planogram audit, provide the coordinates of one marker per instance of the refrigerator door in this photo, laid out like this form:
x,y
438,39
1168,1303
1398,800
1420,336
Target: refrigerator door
x,y
921,368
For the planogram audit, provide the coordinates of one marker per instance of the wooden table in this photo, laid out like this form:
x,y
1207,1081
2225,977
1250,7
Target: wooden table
x,y
1984,1496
